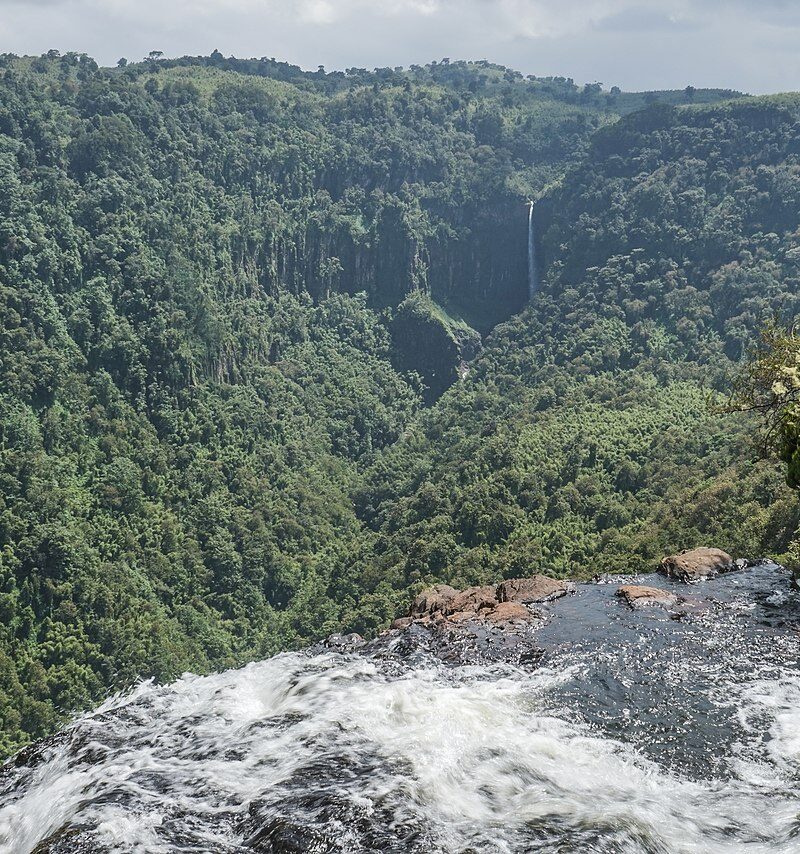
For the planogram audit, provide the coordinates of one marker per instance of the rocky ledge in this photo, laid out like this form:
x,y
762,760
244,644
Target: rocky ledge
x,y
502,622
479,624
503,603
640,596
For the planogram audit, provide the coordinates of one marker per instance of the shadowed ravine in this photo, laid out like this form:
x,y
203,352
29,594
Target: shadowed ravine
x,y
600,728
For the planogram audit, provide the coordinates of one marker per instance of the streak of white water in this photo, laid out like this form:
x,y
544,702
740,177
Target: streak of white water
x,y
481,760
533,284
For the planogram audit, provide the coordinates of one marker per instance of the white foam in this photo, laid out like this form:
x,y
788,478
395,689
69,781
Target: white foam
x,y
474,758
770,709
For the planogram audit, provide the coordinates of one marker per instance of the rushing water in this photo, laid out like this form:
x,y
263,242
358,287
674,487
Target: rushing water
x,y
636,732
533,284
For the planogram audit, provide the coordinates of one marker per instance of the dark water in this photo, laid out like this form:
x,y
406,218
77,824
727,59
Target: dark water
x,y
609,730
670,682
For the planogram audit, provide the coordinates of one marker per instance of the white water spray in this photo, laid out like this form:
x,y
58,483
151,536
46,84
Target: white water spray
x,y
481,763
379,754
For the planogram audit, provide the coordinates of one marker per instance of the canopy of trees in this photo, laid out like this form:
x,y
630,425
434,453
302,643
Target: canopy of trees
x,y
233,295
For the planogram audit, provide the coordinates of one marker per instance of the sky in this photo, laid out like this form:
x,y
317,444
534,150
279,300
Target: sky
x,y
748,45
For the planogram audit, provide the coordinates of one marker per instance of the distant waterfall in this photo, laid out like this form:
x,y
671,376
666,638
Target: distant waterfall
x,y
533,284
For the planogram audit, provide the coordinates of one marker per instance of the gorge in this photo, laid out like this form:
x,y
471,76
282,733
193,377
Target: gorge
x,y
280,350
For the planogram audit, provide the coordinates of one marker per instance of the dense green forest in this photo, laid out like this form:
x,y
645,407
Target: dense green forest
x,y
244,400
585,439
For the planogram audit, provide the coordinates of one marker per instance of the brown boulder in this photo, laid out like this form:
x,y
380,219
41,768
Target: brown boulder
x,y
442,605
694,564
508,612
433,600
638,596
537,588
466,616
472,599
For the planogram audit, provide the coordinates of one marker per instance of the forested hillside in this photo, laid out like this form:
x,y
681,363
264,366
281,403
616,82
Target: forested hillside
x,y
234,295
200,263
585,439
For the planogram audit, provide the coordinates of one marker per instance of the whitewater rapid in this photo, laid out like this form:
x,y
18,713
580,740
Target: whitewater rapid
x,y
355,752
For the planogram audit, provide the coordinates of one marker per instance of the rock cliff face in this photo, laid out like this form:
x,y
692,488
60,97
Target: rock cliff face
x,y
479,261
485,266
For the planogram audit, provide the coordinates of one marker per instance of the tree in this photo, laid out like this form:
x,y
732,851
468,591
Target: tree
x,y
769,385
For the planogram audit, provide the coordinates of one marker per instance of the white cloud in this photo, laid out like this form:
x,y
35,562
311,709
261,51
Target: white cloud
x,y
318,12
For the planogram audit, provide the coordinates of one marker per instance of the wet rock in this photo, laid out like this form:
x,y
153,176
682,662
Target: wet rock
x,y
537,588
695,564
70,840
750,562
639,596
344,643
479,624
616,578
284,837
506,634
35,754
324,810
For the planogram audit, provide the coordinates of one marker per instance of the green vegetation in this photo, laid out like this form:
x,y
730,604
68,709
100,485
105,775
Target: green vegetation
x,y
234,302
581,442
199,269
769,385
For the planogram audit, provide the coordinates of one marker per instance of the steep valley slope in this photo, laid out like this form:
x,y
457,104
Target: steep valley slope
x,y
220,432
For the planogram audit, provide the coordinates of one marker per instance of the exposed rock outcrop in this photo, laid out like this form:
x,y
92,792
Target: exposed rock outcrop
x,y
640,596
433,600
344,643
429,341
513,622
497,604
509,612
696,564
537,588
473,600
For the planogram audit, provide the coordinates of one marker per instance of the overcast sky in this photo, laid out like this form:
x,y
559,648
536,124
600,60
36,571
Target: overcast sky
x,y
751,45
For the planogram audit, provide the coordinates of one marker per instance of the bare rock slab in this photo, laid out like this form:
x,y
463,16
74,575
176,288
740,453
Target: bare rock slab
x,y
509,612
639,596
537,588
435,600
472,599
696,564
